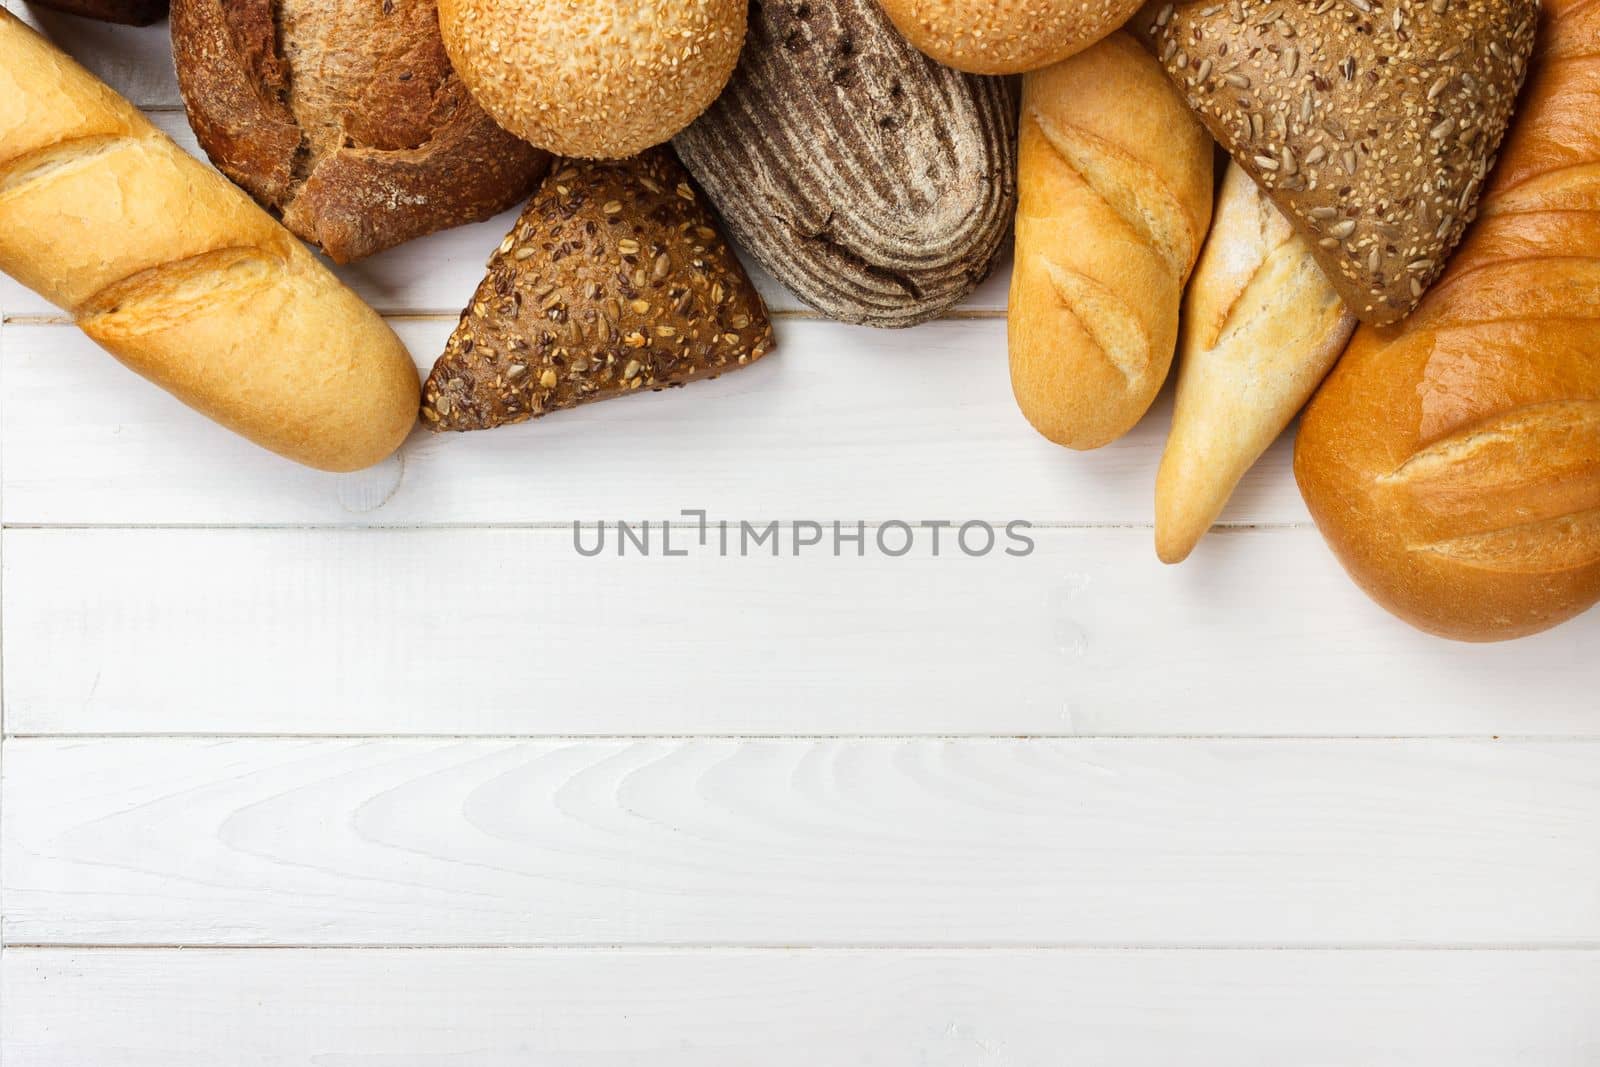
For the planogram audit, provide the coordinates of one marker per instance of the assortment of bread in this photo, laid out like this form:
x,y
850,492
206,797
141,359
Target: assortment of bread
x,y
1388,165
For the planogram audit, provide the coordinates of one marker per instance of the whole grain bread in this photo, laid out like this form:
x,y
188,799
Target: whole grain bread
x,y
1372,124
875,183
345,118
615,280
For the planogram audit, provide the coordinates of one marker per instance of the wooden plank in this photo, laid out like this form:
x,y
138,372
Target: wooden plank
x,y
437,275
841,423
798,1009
512,632
1037,843
136,61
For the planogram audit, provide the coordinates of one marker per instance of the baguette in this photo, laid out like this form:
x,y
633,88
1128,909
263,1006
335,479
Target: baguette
x,y
177,274
1262,326
1453,463
1115,188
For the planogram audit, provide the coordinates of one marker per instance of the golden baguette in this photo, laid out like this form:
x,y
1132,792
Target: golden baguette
x,y
180,276
1262,326
1115,198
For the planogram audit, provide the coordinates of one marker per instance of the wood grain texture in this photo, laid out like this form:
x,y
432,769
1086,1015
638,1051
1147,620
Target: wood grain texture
x,y
731,1009
436,275
137,62
852,842
840,423
512,632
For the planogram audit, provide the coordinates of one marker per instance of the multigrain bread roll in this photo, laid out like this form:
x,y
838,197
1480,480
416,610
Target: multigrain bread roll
x,y
614,281
1262,326
595,79
344,118
1115,194
1006,36
1453,463
176,273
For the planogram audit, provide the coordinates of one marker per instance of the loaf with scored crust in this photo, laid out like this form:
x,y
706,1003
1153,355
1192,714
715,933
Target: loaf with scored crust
x,y
1453,462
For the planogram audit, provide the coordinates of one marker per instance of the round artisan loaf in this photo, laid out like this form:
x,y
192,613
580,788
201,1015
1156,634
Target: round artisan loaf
x,y
1007,36
1453,461
597,79
344,119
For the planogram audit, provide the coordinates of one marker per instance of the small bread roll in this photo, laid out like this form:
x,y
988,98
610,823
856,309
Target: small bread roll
x,y
600,79
1007,36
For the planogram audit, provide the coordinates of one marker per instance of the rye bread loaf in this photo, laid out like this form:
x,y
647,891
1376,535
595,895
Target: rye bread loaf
x,y
123,12
1372,124
615,280
873,182
345,119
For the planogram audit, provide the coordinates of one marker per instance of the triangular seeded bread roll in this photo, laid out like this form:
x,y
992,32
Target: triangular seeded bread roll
x,y
615,280
1262,328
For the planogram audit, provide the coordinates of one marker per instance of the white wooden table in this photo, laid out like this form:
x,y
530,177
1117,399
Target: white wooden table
x,y
378,770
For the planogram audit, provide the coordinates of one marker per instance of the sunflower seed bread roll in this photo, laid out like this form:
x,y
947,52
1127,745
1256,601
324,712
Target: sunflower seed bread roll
x,y
176,273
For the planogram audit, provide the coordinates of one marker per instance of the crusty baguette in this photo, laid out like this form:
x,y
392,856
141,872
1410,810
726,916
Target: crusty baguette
x,y
1115,198
1262,326
176,273
1453,462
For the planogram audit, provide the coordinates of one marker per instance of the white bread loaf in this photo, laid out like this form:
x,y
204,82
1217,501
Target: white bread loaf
x,y
1115,195
1262,326
180,276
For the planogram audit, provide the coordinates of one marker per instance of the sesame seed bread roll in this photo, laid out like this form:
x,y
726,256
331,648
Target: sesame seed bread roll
x,y
1007,36
594,79
1115,199
176,273
1453,462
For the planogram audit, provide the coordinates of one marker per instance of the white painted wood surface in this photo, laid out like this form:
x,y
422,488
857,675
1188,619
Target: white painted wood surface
x,y
1072,808
801,1009
813,842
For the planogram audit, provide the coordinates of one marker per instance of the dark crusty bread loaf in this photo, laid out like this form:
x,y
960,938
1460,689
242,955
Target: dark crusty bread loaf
x,y
615,280
176,273
1371,123
1453,463
125,12
873,182
345,118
